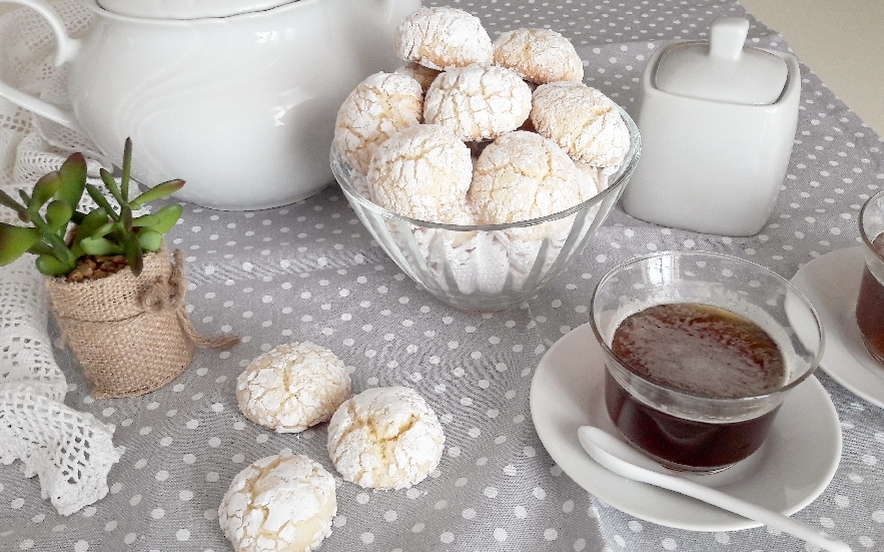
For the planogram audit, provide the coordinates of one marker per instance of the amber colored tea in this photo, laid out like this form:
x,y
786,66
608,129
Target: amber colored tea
x,y
870,308
699,350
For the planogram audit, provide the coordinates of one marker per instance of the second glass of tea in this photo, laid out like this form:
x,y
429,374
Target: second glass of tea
x,y
870,301
701,350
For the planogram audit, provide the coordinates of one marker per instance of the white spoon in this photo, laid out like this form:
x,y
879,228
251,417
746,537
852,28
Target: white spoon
x,y
622,459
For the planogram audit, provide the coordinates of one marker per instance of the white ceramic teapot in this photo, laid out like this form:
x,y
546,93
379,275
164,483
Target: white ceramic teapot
x,y
237,97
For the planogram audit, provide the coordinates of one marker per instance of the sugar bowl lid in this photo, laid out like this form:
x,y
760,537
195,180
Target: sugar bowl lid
x,y
187,9
722,69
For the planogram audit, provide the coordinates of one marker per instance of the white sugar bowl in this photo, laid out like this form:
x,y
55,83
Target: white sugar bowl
x,y
718,121
236,97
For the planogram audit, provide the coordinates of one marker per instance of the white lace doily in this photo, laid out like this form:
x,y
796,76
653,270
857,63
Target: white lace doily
x,y
71,452
31,146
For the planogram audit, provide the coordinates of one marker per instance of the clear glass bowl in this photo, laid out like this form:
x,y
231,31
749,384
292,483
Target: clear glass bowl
x,y
495,267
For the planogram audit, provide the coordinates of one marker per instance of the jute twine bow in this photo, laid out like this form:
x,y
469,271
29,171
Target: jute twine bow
x,y
169,294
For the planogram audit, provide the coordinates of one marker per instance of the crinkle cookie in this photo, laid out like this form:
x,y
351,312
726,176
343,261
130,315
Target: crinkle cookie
x,y
379,106
293,387
478,102
421,73
422,172
442,38
281,502
522,176
583,121
385,438
538,55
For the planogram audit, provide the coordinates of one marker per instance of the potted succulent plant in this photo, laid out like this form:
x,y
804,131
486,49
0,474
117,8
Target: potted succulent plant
x,y
117,296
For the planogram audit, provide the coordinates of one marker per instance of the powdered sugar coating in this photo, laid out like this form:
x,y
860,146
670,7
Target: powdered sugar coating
x,y
442,38
478,102
538,55
422,172
293,387
379,106
385,438
279,503
521,176
583,121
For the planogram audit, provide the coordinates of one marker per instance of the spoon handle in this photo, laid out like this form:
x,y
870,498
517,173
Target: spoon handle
x,y
748,510
620,458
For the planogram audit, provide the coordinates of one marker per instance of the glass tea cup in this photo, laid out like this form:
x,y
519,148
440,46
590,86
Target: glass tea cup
x,y
688,412
870,301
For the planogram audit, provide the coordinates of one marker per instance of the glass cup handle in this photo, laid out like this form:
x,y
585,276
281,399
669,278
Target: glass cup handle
x,y
67,49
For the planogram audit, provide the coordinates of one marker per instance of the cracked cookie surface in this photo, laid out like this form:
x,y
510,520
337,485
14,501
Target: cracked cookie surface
x,y
538,55
385,438
442,38
379,106
522,176
292,387
422,172
478,102
279,503
583,121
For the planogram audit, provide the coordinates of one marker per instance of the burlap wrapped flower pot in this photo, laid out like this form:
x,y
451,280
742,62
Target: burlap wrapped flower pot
x,y
129,333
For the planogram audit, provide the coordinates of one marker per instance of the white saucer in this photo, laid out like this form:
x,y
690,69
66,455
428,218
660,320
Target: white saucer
x,y
831,282
796,464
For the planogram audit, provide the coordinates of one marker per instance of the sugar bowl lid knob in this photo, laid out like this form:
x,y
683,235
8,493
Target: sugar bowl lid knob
x,y
722,68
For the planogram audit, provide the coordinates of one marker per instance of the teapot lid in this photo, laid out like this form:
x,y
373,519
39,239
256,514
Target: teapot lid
x,y
187,9
722,69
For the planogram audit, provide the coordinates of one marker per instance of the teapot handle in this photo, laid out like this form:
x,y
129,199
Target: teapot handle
x,y
67,49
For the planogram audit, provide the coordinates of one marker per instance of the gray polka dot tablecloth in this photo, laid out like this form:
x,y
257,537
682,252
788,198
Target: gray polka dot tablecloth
x,y
310,272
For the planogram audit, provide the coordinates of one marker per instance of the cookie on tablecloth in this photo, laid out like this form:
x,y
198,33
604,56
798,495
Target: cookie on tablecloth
x,y
293,387
281,502
385,438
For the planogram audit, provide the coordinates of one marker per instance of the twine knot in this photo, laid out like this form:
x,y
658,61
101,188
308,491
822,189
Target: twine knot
x,y
168,294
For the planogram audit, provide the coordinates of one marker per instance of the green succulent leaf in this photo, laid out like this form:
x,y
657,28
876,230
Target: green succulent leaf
x,y
99,246
126,168
8,201
133,252
44,189
60,249
111,184
73,180
101,201
52,266
126,218
145,221
104,229
168,215
15,241
58,215
150,240
96,219
159,191
25,198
